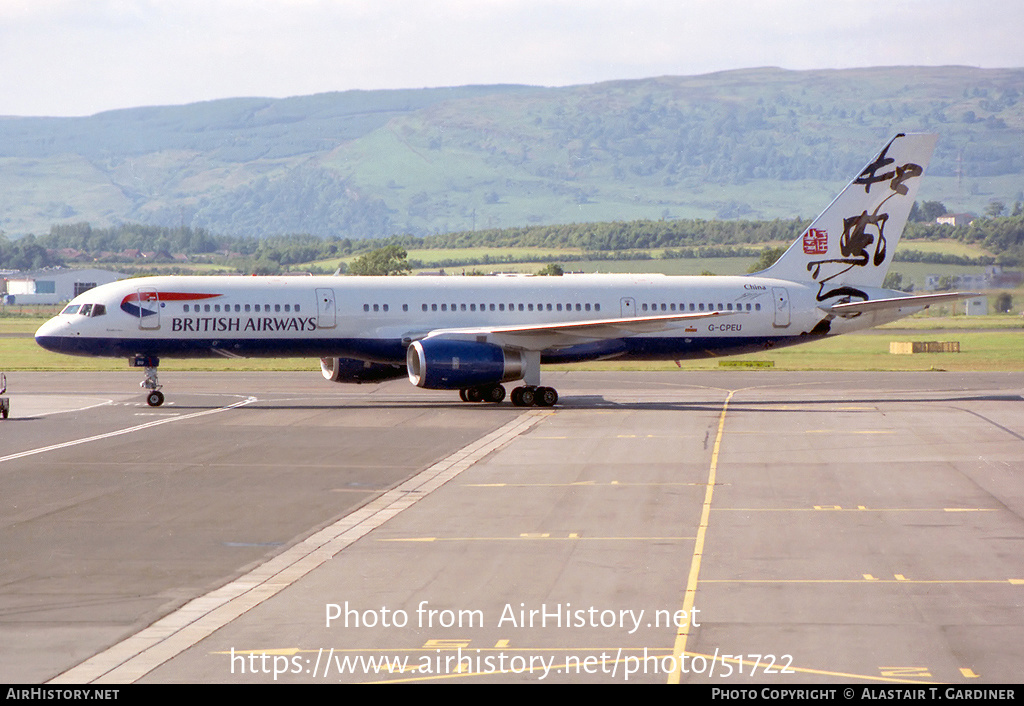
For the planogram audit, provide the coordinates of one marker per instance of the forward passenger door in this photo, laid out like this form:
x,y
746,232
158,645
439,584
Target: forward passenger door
x,y
149,309
326,314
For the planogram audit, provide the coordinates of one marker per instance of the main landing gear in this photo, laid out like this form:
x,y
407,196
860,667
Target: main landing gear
x,y
154,398
529,396
483,393
526,396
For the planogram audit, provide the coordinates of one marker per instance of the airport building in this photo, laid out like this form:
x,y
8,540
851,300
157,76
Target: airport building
x,y
53,286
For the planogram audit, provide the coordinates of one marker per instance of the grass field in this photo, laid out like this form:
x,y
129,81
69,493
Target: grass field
x,y
988,343
913,273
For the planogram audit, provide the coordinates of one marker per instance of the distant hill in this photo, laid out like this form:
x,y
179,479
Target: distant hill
x,y
759,143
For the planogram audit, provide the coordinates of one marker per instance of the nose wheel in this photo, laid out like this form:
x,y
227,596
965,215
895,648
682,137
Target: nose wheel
x,y
154,398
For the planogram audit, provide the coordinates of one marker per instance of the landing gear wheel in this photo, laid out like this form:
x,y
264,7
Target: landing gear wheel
x,y
523,396
483,393
155,398
494,393
546,397
529,396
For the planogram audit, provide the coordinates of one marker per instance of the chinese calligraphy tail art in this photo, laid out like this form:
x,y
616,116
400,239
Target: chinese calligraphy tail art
x,y
849,247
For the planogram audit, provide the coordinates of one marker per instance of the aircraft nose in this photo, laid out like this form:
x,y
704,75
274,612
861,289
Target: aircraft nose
x,y
49,336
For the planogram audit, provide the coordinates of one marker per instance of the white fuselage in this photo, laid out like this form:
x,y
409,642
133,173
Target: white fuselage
x,y
375,318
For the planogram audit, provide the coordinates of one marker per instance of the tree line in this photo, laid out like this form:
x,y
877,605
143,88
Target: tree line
x,y
684,238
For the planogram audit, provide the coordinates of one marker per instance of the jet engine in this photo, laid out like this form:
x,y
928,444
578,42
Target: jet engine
x,y
359,371
439,364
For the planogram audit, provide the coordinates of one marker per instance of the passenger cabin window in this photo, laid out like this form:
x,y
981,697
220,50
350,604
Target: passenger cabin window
x,y
511,306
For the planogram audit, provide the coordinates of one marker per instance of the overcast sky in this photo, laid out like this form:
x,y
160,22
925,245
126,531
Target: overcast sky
x,y
79,57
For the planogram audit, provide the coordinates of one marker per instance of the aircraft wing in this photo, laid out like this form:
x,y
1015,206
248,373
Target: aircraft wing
x,y
923,300
567,333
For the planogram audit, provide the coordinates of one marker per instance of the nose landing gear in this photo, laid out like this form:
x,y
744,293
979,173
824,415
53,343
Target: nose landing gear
x,y
154,398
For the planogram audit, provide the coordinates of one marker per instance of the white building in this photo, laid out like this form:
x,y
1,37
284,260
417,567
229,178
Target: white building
x,y
978,306
54,286
956,219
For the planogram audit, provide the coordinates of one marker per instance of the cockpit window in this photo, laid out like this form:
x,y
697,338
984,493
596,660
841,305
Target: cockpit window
x,y
85,309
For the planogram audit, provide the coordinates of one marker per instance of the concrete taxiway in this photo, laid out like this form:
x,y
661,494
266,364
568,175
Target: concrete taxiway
x,y
654,527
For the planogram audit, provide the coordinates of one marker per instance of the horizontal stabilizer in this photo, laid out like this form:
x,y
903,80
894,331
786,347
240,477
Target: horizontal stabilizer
x,y
922,301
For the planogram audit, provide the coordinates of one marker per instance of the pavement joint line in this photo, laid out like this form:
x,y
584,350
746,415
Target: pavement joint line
x,y
141,653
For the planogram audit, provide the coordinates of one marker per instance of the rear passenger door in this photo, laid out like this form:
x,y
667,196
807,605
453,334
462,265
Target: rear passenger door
x,y
781,295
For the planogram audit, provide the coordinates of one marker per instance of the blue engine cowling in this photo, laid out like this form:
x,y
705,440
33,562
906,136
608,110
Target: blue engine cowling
x,y
439,364
359,371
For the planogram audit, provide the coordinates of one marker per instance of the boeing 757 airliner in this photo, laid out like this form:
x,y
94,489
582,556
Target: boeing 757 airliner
x,y
473,334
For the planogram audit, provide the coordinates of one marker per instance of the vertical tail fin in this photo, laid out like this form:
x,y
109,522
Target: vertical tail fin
x,y
852,242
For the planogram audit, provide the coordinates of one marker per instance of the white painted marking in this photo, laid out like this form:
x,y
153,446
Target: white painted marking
x,y
44,405
121,432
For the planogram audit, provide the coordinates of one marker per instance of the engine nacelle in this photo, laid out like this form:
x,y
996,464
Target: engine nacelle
x,y
439,364
359,371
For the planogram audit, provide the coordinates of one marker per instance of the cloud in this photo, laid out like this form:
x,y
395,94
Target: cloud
x,y
66,57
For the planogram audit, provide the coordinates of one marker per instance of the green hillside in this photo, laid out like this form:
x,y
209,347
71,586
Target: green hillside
x,y
753,144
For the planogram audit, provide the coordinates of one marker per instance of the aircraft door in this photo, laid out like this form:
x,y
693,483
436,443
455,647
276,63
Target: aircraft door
x,y
781,295
149,309
325,309
628,306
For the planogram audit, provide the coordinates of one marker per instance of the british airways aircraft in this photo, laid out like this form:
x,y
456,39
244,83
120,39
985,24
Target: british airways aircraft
x,y
473,334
